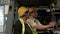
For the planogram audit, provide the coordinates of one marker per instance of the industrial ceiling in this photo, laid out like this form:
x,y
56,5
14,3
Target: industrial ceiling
x,y
34,2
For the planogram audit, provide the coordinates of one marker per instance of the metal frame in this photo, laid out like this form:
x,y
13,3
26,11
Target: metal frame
x,y
10,18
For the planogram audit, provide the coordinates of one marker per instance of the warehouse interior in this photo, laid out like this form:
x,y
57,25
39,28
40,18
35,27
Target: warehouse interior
x,y
47,10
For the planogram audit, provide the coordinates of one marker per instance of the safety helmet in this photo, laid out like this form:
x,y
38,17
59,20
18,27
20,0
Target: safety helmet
x,y
32,9
22,10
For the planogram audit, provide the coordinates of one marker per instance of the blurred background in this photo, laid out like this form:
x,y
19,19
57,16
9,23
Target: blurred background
x,y
47,10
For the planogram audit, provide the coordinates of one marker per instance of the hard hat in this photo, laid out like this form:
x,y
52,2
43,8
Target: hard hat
x,y
22,10
32,9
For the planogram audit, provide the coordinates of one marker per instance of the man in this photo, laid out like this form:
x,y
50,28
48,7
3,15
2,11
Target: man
x,y
34,23
20,26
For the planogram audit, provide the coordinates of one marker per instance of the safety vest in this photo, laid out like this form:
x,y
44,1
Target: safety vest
x,y
23,27
32,28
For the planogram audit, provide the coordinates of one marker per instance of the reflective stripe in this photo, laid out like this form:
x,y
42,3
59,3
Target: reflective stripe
x,y
32,29
23,26
34,32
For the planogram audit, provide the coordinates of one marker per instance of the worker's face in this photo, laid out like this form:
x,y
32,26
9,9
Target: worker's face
x,y
27,15
34,14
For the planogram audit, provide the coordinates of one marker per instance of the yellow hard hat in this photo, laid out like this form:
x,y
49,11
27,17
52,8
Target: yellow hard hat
x,y
22,10
32,9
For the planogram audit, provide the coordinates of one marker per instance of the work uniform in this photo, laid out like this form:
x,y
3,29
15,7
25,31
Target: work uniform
x,y
21,28
33,22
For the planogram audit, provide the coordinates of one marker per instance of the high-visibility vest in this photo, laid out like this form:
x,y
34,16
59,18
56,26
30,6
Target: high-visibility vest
x,y
23,27
32,28
34,32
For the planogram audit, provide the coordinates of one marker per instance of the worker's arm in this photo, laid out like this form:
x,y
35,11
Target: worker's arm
x,y
41,26
52,23
37,26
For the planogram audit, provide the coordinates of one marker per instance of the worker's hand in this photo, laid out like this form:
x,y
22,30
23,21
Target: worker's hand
x,y
52,24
